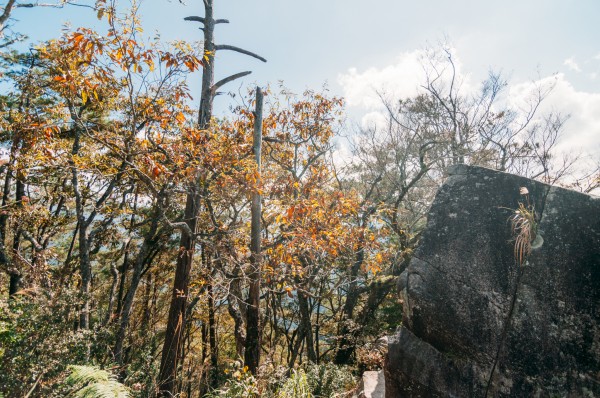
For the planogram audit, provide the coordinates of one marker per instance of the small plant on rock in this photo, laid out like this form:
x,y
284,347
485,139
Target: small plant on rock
x,y
524,227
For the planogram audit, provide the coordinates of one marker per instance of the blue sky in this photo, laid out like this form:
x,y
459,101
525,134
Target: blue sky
x,y
357,46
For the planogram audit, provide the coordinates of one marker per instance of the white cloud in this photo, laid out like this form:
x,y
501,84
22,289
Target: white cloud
x,y
372,119
571,64
582,130
403,78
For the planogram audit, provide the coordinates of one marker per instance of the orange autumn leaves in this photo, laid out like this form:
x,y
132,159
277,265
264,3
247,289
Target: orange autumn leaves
x,y
312,225
128,95
131,98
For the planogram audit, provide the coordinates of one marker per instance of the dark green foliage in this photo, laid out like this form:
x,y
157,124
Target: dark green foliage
x,y
328,381
38,342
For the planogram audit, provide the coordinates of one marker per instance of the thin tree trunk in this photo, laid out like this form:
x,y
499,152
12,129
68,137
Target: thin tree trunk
x,y
253,329
306,325
238,319
177,310
346,345
147,303
295,345
15,277
212,337
123,279
125,266
4,259
113,292
142,256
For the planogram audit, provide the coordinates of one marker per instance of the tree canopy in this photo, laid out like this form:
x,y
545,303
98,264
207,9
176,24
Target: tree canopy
x,y
126,215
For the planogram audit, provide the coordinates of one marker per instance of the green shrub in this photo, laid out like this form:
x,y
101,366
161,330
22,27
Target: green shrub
x,y
296,386
241,384
309,381
329,381
38,342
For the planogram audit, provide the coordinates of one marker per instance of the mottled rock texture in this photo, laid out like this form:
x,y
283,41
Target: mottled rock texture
x,y
478,324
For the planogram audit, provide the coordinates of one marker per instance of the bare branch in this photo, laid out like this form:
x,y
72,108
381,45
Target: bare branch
x,y
181,226
273,139
195,19
12,41
7,10
229,79
33,241
60,4
239,50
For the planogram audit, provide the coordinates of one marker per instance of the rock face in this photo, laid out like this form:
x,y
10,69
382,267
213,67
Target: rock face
x,y
373,385
476,323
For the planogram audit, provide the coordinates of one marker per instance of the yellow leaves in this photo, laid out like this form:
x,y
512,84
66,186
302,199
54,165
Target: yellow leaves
x,y
180,117
150,63
374,268
208,55
84,97
78,161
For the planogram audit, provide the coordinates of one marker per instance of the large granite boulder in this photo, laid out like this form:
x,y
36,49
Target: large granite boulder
x,y
477,323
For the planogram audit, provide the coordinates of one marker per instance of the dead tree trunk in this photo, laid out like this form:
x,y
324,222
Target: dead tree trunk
x,y
252,352
177,311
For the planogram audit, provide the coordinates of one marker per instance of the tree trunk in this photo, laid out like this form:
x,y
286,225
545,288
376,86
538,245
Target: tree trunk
x,y
253,329
15,277
235,311
85,271
306,325
212,338
4,260
177,310
123,279
208,74
142,256
346,343
113,292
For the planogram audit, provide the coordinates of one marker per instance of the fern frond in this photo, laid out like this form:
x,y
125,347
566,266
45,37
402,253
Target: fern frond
x,y
86,374
105,389
92,382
